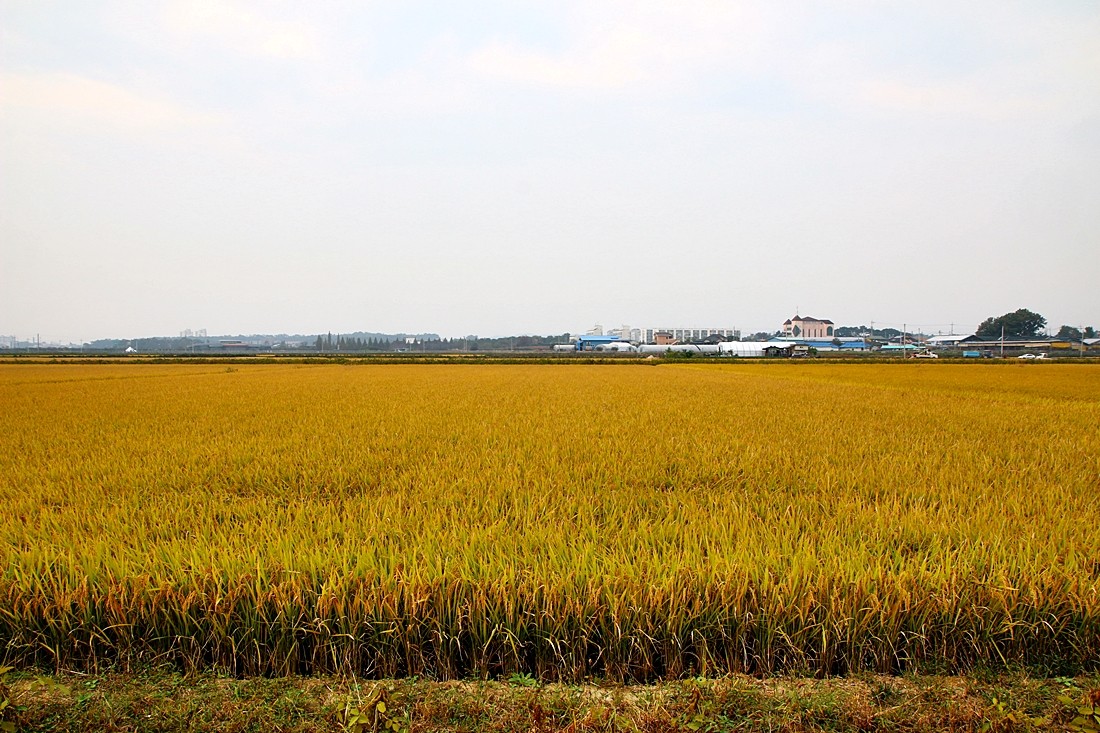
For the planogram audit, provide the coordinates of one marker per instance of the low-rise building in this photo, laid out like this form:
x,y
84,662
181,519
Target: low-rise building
x,y
842,343
949,341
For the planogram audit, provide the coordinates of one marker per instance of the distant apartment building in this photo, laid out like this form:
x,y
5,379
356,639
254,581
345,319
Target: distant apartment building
x,y
680,335
655,335
807,328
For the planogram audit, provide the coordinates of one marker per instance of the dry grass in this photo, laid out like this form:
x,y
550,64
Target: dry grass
x,y
156,700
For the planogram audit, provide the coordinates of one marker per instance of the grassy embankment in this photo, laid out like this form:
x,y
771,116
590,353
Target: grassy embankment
x,y
167,701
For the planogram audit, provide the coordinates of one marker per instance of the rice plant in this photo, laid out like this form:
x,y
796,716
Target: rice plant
x,y
556,521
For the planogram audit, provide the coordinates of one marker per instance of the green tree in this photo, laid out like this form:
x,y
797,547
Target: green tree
x,y
1021,324
1068,332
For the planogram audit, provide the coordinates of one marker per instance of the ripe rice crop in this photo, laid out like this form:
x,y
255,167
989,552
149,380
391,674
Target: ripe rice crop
x,y
632,522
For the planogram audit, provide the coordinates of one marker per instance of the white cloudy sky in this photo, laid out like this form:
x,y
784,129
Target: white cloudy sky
x,y
503,166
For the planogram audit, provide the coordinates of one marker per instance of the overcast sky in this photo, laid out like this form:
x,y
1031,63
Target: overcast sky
x,y
503,167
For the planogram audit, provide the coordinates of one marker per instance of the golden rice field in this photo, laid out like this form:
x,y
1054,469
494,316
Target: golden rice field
x,y
626,521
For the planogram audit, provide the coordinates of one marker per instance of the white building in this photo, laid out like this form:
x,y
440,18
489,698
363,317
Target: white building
x,y
758,348
670,334
947,341
679,348
648,335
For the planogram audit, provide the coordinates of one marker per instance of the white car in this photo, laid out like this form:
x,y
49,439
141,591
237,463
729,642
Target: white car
x,y
926,355
1032,356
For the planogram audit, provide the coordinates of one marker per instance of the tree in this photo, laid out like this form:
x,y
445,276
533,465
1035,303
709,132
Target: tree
x,y
1068,332
1022,324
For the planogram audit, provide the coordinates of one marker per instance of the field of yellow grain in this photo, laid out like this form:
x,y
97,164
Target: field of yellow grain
x,y
626,521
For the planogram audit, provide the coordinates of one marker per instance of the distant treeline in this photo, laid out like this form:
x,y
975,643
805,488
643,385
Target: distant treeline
x,y
327,343
330,343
